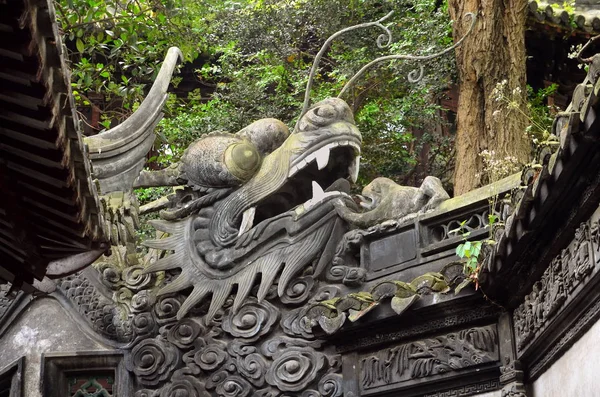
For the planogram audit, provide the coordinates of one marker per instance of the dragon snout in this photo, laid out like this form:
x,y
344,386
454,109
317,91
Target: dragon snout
x,y
366,202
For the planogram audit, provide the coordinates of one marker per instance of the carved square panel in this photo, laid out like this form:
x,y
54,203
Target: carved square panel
x,y
390,251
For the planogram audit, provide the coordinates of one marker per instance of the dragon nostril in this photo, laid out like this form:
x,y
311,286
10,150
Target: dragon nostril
x,y
325,111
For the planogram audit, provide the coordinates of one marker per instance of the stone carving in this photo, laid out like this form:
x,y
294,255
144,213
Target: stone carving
x,y
347,252
511,371
589,318
385,200
219,307
184,333
469,390
5,300
251,321
271,225
562,277
294,368
238,354
104,315
512,377
153,361
514,391
182,386
331,314
474,222
428,357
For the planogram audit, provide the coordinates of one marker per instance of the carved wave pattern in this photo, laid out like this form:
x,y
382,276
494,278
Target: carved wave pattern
x,y
254,348
429,357
239,354
105,316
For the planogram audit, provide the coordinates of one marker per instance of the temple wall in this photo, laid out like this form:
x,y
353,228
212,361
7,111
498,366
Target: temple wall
x,y
43,327
575,374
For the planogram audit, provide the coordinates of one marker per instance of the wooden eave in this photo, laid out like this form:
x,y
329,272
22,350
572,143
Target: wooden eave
x,y
48,204
563,194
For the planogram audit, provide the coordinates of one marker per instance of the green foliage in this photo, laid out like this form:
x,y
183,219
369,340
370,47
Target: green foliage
x,y
540,114
115,47
260,69
258,54
189,123
469,251
145,196
568,6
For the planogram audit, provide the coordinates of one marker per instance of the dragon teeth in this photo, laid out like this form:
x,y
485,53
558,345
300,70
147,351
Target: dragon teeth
x,y
322,156
293,171
317,191
247,220
354,168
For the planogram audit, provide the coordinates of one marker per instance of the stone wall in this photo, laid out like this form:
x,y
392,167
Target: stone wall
x,y
44,327
575,374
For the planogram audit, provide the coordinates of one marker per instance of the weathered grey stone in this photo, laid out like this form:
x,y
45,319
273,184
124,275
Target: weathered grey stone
x,y
44,326
386,200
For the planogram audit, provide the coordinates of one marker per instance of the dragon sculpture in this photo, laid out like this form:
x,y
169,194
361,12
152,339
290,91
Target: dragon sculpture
x,y
279,218
242,245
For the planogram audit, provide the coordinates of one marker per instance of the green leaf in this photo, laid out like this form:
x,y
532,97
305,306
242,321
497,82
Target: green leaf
x,y
476,249
80,46
472,264
467,248
460,250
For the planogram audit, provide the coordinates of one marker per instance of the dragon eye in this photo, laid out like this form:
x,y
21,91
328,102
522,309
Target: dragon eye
x,y
242,160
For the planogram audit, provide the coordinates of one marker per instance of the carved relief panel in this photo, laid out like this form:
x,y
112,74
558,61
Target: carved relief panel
x,y
439,357
562,280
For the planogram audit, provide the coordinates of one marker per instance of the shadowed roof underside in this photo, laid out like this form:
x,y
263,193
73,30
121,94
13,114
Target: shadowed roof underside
x,y
49,213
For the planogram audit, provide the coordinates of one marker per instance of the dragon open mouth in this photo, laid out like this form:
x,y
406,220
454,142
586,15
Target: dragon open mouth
x,y
325,167
277,225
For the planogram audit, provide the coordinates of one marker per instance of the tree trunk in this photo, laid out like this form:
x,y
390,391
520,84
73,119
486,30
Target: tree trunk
x,y
493,52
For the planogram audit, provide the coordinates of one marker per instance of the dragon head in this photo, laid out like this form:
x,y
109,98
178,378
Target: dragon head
x,y
269,208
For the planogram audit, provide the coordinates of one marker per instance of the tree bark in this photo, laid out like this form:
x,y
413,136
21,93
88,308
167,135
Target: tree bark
x,y
493,52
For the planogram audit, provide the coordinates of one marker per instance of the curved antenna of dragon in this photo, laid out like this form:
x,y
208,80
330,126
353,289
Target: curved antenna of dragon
x,y
413,77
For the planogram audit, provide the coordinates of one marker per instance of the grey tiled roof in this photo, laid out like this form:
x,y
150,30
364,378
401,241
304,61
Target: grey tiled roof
x,y
585,18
